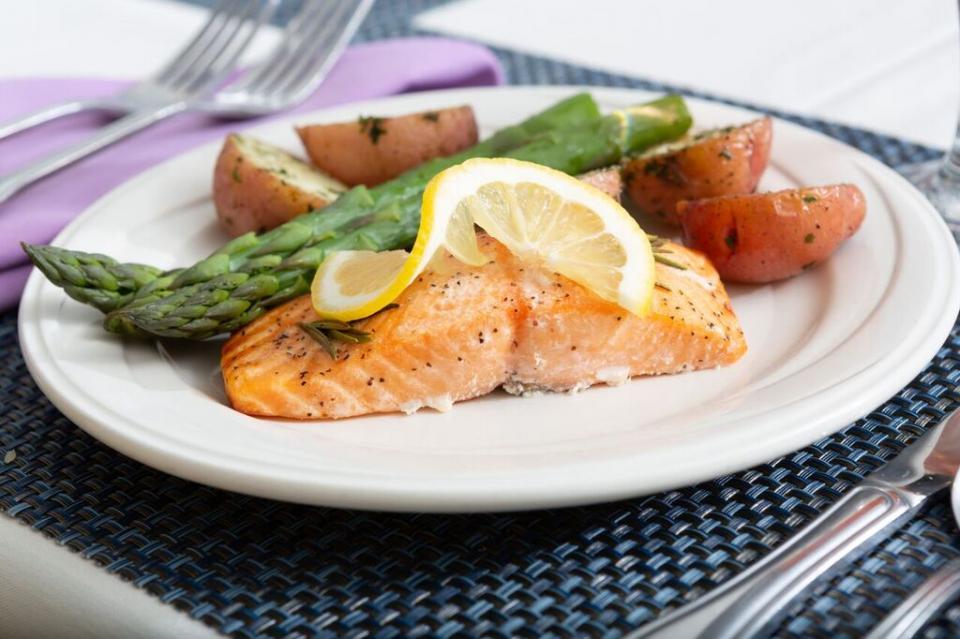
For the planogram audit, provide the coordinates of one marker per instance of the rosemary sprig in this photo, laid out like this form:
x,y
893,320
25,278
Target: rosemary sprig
x,y
328,333
666,261
656,243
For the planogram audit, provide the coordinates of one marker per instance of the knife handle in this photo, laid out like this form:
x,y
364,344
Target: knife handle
x,y
750,603
930,598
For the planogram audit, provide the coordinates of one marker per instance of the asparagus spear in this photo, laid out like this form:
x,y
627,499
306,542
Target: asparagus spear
x,y
99,280
251,274
108,285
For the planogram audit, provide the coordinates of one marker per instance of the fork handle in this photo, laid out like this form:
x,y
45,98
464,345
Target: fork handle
x,y
52,112
111,133
750,603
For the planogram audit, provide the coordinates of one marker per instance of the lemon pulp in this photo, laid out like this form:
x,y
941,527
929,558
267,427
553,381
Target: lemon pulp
x,y
541,215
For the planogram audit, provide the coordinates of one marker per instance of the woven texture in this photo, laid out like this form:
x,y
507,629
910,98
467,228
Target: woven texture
x,y
252,567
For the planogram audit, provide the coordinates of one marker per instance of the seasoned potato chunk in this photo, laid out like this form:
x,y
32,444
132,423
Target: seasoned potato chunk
x,y
771,236
257,186
721,162
373,150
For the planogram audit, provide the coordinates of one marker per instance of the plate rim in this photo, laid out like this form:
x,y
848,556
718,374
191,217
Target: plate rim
x,y
460,495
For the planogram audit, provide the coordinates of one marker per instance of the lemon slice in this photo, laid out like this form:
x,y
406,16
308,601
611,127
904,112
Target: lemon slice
x,y
543,216
354,284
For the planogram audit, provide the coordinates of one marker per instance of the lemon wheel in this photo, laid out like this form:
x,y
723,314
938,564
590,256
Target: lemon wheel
x,y
543,216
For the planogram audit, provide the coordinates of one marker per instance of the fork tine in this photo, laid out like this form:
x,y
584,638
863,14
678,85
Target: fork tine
x,y
303,54
174,79
221,61
225,63
319,59
176,65
311,44
263,73
318,35
235,19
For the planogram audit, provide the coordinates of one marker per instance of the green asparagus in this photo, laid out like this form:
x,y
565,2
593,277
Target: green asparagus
x,y
81,275
100,280
251,274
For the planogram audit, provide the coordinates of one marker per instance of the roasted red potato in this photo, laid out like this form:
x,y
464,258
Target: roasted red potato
x,y
606,179
766,237
720,162
257,186
373,150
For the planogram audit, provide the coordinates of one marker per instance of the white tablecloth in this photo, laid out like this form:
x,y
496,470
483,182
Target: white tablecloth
x,y
887,65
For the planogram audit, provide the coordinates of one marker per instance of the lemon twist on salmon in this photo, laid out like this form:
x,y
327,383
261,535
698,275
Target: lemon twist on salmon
x,y
460,332
544,216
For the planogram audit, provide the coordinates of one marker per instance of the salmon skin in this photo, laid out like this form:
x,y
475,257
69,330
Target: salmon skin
x,y
460,332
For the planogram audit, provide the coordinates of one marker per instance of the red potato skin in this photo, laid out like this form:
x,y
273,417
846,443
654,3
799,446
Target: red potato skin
x,y
766,237
250,198
729,163
371,151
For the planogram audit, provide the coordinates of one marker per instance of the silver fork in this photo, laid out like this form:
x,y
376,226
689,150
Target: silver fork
x,y
192,76
312,42
170,80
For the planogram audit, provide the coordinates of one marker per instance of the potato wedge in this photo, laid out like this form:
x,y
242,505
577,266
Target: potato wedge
x,y
713,163
257,186
766,237
606,179
373,150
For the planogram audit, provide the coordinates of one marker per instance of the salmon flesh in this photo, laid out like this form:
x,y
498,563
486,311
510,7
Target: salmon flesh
x,y
460,332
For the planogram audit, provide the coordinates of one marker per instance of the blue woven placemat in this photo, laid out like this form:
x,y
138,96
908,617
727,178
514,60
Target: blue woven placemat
x,y
252,567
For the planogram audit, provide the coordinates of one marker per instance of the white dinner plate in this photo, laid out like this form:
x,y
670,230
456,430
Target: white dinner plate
x,y
825,348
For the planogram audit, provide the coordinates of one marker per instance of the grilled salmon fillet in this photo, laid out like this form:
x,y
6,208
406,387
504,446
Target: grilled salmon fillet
x,y
460,332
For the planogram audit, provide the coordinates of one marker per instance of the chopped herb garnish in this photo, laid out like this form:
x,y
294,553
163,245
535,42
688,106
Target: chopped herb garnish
x,y
318,331
373,127
431,116
235,174
666,261
808,238
328,333
731,239
656,245
711,133
726,154
809,199
653,167
665,170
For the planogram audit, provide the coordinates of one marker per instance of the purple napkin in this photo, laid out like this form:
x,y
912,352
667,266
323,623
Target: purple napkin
x,y
38,213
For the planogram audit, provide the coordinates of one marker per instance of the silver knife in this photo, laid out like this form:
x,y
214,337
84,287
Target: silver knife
x,y
937,592
751,603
